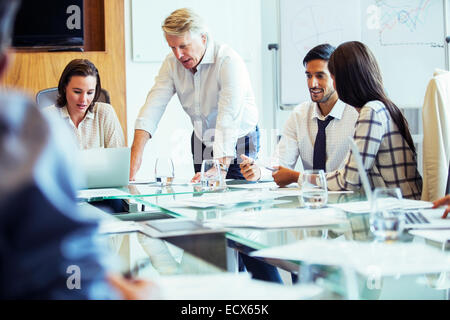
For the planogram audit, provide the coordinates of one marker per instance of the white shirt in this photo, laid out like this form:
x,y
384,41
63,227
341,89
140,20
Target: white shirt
x,y
218,98
299,136
100,128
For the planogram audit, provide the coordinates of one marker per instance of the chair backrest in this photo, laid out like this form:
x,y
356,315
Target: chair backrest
x,y
47,97
436,137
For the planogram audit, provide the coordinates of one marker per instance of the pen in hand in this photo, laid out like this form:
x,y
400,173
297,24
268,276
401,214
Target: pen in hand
x,y
132,272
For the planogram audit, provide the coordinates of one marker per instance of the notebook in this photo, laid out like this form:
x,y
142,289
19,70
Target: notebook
x,y
418,214
105,167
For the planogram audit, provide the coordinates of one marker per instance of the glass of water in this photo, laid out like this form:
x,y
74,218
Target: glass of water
x,y
164,171
314,188
211,175
386,219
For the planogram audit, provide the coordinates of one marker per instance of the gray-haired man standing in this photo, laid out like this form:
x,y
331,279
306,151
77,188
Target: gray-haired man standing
x,y
213,86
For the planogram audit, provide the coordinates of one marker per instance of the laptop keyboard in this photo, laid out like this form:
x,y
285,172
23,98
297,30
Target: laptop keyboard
x,y
414,217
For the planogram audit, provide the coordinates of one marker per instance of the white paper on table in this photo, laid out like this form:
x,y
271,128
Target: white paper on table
x,y
380,259
141,181
153,183
225,198
99,193
279,218
230,286
435,235
258,185
115,226
391,203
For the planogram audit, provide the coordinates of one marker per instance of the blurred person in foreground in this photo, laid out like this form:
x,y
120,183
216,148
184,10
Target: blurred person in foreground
x,y
45,238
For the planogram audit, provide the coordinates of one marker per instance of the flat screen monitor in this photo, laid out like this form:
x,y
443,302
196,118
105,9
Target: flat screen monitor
x,y
49,23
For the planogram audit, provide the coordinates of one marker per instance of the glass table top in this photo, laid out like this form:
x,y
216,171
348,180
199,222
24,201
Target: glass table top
x,y
177,202
151,189
356,226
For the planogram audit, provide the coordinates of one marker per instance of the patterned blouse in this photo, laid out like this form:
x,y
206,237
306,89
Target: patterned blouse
x,y
387,158
100,128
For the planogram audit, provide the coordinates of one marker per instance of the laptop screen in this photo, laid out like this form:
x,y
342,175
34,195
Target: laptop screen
x,y
106,167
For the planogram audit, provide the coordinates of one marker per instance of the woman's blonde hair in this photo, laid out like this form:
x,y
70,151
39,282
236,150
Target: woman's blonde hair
x,y
184,20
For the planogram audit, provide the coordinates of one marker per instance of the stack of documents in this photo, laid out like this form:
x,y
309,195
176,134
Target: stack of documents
x,y
279,218
367,258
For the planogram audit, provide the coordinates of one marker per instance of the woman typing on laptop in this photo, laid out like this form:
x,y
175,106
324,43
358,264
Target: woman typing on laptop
x,y
95,124
381,133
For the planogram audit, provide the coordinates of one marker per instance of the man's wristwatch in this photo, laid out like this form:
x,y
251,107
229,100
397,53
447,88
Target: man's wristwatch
x,y
223,167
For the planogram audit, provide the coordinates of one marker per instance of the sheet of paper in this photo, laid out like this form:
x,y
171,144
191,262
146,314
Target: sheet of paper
x,y
225,199
152,183
118,226
279,218
364,206
230,286
257,185
435,235
264,185
368,258
100,193
141,181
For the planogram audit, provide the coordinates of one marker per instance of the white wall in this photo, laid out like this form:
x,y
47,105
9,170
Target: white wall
x,y
172,137
273,117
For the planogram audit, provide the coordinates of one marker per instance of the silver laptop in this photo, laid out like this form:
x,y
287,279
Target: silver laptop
x,y
418,214
105,167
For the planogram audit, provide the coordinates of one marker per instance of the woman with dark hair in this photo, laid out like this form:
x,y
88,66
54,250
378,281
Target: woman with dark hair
x,y
381,133
95,124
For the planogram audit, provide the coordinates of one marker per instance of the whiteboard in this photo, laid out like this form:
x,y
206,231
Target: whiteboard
x,y
408,39
228,22
305,24
406,36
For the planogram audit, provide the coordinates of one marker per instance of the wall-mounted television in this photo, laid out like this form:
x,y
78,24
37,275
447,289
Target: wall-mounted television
x,y
49,23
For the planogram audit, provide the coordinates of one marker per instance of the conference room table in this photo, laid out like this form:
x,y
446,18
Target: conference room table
x,y
180,202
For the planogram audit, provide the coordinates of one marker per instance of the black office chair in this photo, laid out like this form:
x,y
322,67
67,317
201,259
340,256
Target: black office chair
x,y
47,97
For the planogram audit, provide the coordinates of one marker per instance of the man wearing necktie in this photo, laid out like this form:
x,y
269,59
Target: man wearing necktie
x,y
315,135
316,132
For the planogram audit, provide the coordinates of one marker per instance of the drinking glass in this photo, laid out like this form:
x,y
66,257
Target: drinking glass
x,y
164,171
314,188
211,175
386,219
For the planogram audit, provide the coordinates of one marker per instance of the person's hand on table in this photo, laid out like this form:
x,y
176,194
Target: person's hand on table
x,y
196,178
133,289
441,202
284,176
249,169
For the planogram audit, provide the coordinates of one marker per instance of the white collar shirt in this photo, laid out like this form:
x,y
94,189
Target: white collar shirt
x,y
300,130
218,98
